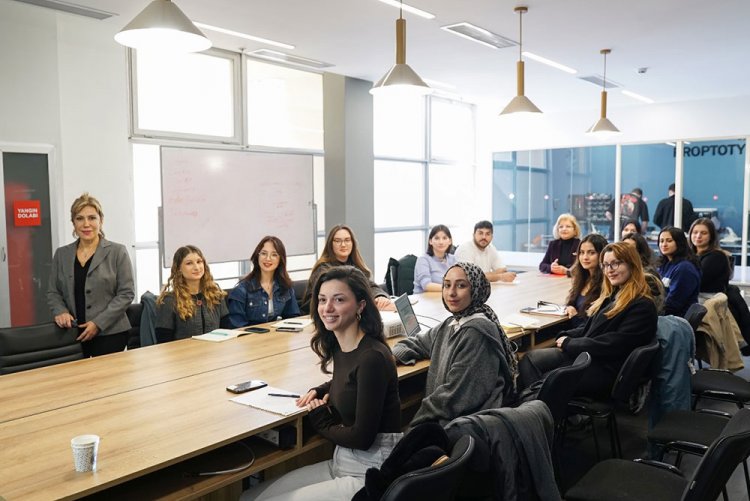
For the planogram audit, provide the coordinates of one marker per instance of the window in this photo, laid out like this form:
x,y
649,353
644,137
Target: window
x,y
420,172
186,95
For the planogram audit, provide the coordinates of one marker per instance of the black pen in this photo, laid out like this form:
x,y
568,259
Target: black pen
x,y
290,395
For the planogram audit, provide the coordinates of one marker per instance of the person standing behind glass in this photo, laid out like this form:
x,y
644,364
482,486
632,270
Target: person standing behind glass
x,y
93,279
341,249
431,267
191,303
249,300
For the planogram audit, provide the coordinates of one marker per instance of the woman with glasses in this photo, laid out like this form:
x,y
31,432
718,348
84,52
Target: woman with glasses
x,y
341,249
622,318
587,278
680,272
430,268
266,292
561,252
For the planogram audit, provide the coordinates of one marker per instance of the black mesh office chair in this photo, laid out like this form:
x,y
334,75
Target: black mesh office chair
x,y
649,480
24,348
436,483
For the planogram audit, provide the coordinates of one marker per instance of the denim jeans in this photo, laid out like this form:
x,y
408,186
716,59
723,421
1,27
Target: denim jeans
x,y
337,478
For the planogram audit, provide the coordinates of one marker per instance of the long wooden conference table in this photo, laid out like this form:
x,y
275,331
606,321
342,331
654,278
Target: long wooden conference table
x,y
163,410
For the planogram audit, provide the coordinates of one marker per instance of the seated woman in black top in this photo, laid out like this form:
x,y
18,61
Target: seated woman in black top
x,y
191,303
621,319
649,267
630,226
561,252
359,409
587,278
715,265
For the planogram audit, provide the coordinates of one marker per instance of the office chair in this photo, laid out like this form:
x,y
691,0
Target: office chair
x,y
635,371
134,313
24,348
646,480
556,391
437,482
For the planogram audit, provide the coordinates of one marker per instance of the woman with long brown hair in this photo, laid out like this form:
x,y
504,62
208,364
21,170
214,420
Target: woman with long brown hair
x,y
341,249
191,303
587,278
622,318
266,292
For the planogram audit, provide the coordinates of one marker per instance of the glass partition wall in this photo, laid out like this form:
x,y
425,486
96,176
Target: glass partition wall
x,y
532,188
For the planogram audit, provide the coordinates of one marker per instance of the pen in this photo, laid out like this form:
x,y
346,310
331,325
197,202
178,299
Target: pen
x,y
290,395
293,323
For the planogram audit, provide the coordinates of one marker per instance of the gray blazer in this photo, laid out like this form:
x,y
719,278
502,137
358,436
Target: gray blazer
x,y
109,286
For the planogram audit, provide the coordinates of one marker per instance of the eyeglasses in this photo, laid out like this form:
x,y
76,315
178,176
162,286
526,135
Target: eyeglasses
x,y
342,241
266,255
612,266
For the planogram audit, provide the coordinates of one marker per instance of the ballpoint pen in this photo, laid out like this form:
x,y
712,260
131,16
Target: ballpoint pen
x,y
290,395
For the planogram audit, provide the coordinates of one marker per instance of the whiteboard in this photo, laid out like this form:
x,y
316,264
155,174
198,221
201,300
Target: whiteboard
x,y
225,201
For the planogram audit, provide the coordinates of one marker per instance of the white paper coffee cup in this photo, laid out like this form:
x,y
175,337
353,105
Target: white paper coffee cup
x,y
85,450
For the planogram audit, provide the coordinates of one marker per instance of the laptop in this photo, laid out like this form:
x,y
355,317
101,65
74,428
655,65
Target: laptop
x,y
406,312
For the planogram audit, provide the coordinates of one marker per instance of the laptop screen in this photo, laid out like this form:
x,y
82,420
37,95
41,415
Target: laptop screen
x,y
406,312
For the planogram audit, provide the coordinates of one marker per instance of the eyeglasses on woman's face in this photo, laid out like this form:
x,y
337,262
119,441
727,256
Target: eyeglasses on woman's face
x,y
611,265
342,241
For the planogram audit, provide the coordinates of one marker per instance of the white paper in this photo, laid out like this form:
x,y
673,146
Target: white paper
x,y
260,399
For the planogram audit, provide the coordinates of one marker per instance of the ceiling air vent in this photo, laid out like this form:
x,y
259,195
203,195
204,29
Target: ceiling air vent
x,y
479,35
275,55
599,80
70,8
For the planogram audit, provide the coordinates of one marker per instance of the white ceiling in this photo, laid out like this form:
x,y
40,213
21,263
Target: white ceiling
x,y
693,49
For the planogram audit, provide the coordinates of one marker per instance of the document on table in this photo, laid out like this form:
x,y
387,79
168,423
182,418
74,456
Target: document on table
x,y
261,399
219,335
515,323
292,324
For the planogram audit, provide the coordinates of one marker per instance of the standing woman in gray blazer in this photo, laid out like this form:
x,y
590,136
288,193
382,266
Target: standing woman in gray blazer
x,y
91,284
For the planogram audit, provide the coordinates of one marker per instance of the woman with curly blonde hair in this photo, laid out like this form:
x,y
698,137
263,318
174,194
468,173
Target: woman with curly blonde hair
x,y
191,303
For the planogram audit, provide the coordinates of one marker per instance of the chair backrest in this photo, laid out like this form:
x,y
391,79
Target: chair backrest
x,y
694,315
405,275
299,287
560,384
436,483
726,452
24,348
635,371
134,313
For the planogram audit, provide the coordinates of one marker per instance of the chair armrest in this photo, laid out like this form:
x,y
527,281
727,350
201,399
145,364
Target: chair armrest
x,y
659,464
717,370
714,412
689,447
718,393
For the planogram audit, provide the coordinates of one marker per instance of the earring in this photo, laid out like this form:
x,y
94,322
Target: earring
x,y
359,316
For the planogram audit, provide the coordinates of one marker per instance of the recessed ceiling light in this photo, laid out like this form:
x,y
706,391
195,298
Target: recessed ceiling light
x,y
479,35
408,8
549,62
245,36
645,99
274,55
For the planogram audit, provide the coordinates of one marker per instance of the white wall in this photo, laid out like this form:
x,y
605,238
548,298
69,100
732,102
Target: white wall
x,y
64,83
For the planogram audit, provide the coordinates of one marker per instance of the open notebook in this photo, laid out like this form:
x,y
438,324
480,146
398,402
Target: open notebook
x,y
260,399
219,335
515,323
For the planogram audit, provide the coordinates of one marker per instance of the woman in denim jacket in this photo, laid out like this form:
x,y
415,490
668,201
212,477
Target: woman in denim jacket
x,y
249,301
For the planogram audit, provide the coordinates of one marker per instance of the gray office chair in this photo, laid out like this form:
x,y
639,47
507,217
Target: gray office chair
x,y
24,348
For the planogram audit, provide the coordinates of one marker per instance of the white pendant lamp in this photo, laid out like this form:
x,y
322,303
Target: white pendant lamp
x,y
603,126
520,103
401,77
163,26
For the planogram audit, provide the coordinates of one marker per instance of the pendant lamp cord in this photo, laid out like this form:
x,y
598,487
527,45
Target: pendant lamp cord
x,y
520,35
401,10
604,81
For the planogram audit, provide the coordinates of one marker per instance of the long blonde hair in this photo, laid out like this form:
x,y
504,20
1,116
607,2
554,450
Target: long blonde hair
x,y
212,293
635,287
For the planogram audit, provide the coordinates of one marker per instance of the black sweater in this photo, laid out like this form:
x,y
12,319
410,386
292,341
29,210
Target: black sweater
x,y
363,397
715,271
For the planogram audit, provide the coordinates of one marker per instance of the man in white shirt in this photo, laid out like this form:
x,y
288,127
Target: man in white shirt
x,y
482,253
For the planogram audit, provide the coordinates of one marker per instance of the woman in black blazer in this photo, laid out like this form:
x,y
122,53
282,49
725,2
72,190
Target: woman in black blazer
x,y
91,284
563,250
622,319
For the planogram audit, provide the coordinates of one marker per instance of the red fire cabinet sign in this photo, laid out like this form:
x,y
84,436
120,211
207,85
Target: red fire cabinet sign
x,y
27,213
